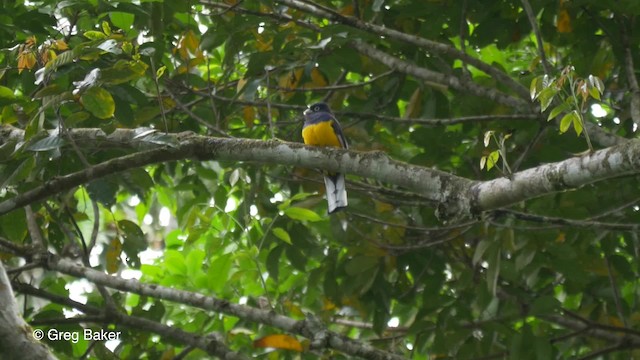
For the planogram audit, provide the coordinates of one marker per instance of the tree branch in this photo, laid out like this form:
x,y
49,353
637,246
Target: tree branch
x,y
458,198
536,30
15,335
439,78
335,341
213,343
316,10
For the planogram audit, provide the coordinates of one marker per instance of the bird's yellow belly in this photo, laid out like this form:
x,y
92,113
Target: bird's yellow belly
x,y
320,134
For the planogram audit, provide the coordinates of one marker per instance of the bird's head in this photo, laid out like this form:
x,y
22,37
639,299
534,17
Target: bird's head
x,y
317,107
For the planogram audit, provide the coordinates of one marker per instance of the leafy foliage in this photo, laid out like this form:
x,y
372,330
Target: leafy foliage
x,y
535,280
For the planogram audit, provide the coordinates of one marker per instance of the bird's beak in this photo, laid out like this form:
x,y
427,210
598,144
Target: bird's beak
x,y
307,112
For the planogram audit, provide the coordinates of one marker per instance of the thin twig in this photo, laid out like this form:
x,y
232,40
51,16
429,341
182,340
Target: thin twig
x,y
616,292
536,30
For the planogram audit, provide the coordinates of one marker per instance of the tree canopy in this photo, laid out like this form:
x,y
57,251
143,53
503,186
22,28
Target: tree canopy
x,y
153,184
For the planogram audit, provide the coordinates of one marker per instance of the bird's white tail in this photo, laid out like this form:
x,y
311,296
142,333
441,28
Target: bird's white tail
x,y
336,192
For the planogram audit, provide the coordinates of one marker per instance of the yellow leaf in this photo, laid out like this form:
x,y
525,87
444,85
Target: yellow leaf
x,y
317,78
60,45
188,45
293,309
328,305
168,354
168,103
279,341
26,60
289,80
414,107
262,44
248,114
563,23
241,84
382,206
347,10
114,249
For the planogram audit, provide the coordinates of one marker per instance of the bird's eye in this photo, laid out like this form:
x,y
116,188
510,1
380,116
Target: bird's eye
x,y
316,108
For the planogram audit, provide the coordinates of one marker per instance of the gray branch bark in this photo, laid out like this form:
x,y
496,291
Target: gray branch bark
x,y
458,198
16,336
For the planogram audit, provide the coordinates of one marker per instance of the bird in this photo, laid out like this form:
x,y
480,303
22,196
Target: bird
x,y
321,128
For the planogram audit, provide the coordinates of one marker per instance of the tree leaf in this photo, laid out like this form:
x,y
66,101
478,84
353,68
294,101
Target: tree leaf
x,y
114,249
279,341
298,213
360,264
282,234
123,20
546,96
51,142
98,102
94,35
567,120
558,110
6,96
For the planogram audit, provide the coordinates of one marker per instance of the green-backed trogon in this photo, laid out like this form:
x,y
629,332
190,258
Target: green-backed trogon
x,y
321,128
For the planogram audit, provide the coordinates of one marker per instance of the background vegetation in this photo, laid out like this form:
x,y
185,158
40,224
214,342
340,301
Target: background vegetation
x,y
123,127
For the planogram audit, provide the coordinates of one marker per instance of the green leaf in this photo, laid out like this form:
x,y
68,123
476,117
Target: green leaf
x,y
558,110
492,159
546,97
194,262
218,272
481,248
535,87
282,234
95,35
106,28
123,71
297,259
567,120
98,102
122,20
525,257
17,173
273,262
544,305
577,124
175,262
103,190
14,226
360,264
50,90
298,213
623,267
133,242
493,271
6,96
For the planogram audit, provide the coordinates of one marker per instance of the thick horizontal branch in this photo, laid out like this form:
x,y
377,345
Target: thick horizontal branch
x,y
573,173
299,327
457,197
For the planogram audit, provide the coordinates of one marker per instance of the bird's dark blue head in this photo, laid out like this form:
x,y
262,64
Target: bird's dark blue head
x,y
317,107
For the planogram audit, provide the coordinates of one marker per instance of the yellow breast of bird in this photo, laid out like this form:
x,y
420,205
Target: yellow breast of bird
x,y
320,134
